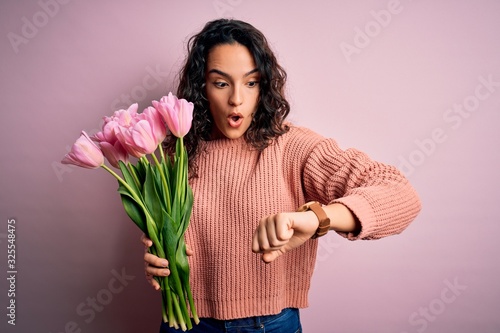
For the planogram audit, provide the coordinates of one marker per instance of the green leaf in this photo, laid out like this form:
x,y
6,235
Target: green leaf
x,y
133,209
159,187
186,212
129,178
182,262
169,235
151,197
141,169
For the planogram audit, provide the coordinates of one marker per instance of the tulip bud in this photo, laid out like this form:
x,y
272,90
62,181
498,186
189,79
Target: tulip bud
x,y
84,153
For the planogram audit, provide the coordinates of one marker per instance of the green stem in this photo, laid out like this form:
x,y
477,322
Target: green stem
x,y
164,183
179,297
162,154
164,311
125,184
168,300
178,310
183,168
134,175
179,184
114,174
168,313
191,304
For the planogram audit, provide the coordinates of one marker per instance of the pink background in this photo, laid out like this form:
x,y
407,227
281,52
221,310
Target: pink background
x,y
402,80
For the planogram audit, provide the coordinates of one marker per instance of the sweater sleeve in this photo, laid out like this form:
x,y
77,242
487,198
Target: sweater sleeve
x,y
379,195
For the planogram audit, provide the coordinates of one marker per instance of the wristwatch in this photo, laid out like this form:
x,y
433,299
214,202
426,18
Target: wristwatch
x,y
324,221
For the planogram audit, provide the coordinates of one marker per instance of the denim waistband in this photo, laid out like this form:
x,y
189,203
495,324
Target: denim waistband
x,y
287,320
256,321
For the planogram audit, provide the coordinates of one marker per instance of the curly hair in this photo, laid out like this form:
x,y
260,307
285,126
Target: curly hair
x,y
268,121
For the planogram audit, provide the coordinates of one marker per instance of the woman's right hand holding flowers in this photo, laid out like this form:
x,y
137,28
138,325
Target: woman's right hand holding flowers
x,y
155,266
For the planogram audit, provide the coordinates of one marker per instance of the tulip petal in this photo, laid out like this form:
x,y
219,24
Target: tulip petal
x,y
143,137
158,127
125,137
114,153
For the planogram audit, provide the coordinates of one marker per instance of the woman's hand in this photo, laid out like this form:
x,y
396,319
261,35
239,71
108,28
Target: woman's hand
x,y
155,266
279,233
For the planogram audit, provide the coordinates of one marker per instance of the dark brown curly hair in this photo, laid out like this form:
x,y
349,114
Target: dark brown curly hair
x,y
267,123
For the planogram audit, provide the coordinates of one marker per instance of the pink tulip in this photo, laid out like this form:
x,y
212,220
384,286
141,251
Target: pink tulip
x,y
108,133
84,153
125,117
178,114
114,153
155,120
138,133
138,140
121,117
108,142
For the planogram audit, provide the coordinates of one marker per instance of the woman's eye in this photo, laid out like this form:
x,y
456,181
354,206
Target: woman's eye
x,y
252,83
220,84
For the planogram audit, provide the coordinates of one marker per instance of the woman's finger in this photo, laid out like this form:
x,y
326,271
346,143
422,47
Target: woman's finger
x,y
189,252
153,260
146,241
152,282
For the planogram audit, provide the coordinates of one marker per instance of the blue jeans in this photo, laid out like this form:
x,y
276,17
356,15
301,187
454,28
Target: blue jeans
x,y
288,321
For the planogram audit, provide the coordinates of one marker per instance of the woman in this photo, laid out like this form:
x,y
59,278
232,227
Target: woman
x,y
252,252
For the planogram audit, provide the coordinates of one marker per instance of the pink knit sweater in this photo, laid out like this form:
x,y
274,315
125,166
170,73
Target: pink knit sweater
x,y
237,186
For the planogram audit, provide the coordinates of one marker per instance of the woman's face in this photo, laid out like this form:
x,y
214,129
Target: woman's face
x,y
232,89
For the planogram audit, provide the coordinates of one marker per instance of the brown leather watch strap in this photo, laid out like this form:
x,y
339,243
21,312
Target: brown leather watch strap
x,y
324,221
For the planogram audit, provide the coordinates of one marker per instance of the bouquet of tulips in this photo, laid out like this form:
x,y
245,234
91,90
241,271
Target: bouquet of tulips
x,y
154,190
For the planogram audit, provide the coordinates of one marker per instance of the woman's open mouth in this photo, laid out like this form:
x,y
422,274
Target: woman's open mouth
x,y
235,120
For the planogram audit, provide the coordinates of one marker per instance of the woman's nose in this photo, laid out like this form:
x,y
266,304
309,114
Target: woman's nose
x,y
236,97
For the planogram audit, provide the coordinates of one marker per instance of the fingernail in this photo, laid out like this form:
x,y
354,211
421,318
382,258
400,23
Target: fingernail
x,y
164,263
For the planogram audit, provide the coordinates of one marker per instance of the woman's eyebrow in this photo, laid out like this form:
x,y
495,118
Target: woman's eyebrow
x,y
217,71
255,70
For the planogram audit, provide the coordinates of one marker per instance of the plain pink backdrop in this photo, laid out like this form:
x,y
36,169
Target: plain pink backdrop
x,y
413,83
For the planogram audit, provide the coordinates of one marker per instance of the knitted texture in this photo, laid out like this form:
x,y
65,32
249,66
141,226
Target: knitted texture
x,y
237,186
